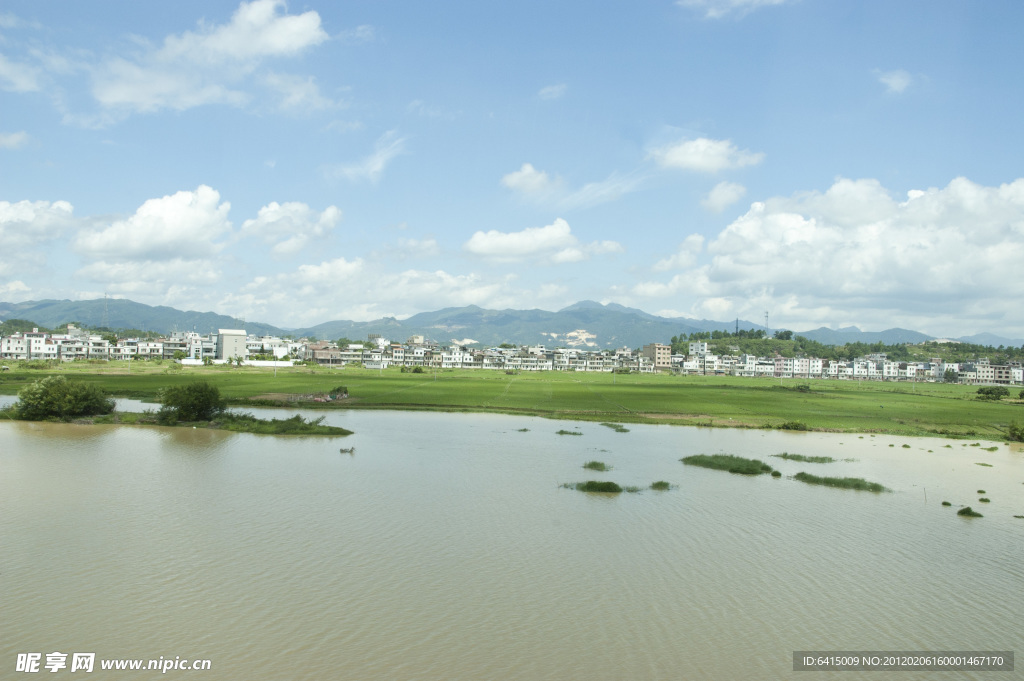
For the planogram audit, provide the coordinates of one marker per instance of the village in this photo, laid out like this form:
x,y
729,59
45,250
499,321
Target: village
x,y
378,353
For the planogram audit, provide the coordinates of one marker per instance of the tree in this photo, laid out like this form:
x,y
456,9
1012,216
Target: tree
x,y
55,397
994,392
196,401
784,335
179,355
950,376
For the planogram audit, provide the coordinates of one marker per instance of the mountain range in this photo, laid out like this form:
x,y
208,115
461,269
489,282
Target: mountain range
x,y
583,324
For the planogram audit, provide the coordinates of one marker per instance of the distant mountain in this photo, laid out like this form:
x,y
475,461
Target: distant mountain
x,y
583,324
851,334
121,313
992,340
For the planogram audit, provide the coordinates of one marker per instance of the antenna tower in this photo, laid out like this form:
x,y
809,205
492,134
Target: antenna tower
x,y
766,323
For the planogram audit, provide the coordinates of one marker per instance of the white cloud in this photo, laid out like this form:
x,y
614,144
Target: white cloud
x,y
554,243
552,91
298,93
388,146
716,9
13,140
723,195
943,258
13,291
206,66
290,227
16,77
704,155
531,182
894,81
538,186
28,223
685,257
186,225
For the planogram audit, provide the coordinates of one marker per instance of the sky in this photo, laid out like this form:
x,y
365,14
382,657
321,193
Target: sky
x,y
831,163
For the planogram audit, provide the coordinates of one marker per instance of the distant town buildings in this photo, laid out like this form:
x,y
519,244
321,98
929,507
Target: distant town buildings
x,y
380,353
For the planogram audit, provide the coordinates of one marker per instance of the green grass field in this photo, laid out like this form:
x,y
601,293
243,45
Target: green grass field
x,y
840,406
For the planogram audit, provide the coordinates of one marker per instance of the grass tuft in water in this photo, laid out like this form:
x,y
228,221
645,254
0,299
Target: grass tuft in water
x,y
984,500
986,465
568,432
981,491
523,430
598,486
660,485
597,466
946,503
617,427
776,474
728,462
969,512
844,483
804,459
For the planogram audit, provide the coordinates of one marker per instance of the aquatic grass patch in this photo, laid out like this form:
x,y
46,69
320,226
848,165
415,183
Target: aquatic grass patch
x,y
523,430
776,474
606,487
597,466
981,491
617,427
991,449
661,485
986,465
985,500
969,512
844,483
804,459
728,462
568,432
946,503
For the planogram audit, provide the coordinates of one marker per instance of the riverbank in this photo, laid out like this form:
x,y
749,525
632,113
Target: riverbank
x,y
909,409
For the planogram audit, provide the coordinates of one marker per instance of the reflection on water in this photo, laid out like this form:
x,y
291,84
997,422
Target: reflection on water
x,y
444,548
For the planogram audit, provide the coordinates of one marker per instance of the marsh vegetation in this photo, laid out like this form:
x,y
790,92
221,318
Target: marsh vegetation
x,y
728,462
843,483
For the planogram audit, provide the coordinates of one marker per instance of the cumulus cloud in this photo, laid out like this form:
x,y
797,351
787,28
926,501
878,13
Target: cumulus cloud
x,y
704,155
187,224
205,66
392,293
855,252
717,9
894,81
554,243
290,227
552,91
531,182
26,230
684,257
388,146
723,195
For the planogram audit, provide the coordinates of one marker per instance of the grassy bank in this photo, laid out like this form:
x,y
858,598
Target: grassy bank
x,y
238,423
837,406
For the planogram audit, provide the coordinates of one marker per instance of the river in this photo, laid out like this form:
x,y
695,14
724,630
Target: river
x,y
444,548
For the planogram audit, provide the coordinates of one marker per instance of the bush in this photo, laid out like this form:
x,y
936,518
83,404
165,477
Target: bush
x,y
969,512
197,401
993,392
1015,432
793,425
55,397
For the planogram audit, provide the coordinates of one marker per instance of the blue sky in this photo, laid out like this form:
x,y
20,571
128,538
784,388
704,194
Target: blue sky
x,y
833,163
